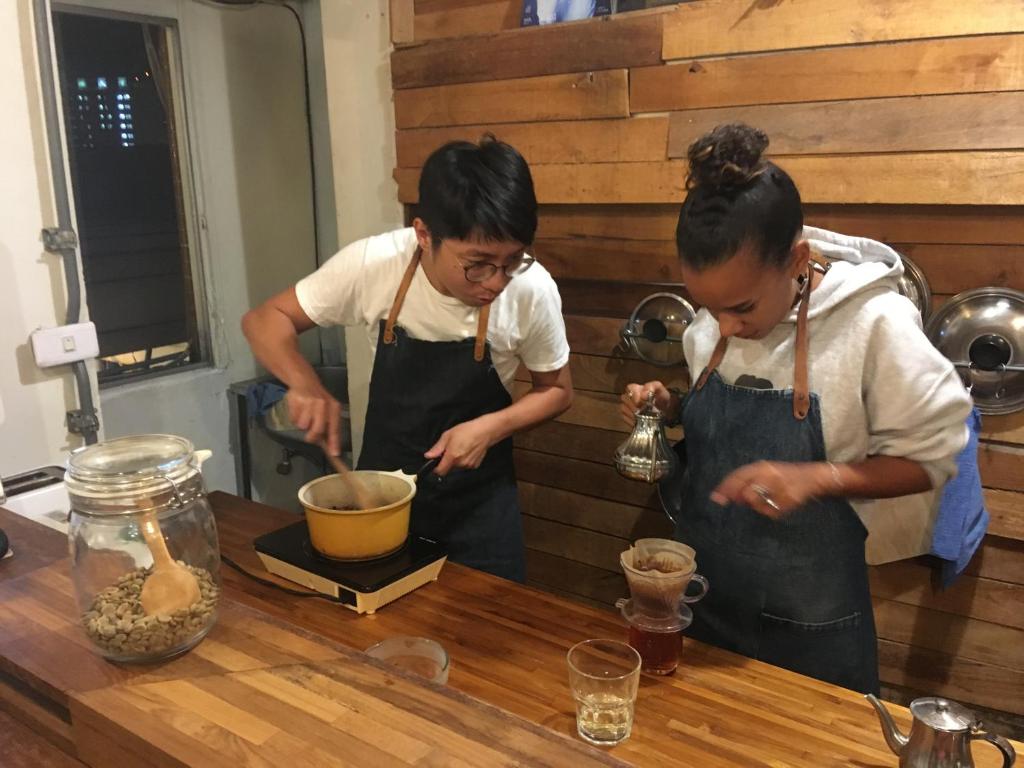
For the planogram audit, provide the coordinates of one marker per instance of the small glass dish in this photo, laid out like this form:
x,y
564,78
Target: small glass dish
x,y
419,655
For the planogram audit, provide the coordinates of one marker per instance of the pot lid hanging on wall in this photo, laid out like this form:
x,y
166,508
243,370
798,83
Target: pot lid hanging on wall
x,y
914,285
982,333
654,331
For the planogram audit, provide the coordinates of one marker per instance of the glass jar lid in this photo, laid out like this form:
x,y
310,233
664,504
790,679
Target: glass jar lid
x,y
140,466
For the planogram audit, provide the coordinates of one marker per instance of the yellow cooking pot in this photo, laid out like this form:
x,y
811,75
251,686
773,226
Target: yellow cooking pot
x,y
342,532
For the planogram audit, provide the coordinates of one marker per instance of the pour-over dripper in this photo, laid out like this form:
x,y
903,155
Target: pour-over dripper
x,y
659,577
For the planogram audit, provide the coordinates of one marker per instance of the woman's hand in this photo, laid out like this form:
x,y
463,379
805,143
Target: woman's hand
x,y
636,395
775,488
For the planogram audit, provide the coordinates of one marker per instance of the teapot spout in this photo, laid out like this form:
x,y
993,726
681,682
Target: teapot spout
x,y
893,737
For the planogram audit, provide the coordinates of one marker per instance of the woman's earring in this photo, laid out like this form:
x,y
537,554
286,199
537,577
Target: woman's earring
x,y
801,280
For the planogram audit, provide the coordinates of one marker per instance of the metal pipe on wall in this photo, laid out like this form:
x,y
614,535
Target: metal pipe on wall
x,y
62,240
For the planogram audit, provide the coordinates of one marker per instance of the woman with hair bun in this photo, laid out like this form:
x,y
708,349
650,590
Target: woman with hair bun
x,y
813,390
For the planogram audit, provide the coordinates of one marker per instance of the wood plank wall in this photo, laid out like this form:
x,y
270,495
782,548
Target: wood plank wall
x,y
899,121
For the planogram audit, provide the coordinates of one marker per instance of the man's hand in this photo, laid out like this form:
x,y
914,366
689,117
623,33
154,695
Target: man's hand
x,y
313,409
463,446
272,330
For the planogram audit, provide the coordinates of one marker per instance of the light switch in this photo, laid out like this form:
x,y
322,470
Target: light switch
x,y
65,344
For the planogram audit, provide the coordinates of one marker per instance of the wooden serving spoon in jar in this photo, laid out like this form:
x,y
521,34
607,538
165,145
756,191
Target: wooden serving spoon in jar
x,y
170,587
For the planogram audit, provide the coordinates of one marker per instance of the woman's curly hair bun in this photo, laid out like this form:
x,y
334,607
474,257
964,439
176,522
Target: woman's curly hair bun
x,y
727,158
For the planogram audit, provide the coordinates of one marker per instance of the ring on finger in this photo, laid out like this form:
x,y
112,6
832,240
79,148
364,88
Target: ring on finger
x,y
766,497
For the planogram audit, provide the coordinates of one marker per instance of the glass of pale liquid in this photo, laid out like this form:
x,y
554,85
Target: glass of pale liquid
x,y
604,675
419,655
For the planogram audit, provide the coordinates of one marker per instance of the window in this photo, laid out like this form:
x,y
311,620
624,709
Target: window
x,y
125,146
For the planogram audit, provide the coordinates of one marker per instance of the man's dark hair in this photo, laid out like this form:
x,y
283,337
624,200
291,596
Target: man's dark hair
x,y
480,190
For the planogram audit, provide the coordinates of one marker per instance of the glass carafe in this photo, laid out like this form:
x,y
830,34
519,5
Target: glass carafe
x,y
116,488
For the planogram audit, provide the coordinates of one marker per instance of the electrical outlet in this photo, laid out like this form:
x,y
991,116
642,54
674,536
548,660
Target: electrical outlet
x,y
65,344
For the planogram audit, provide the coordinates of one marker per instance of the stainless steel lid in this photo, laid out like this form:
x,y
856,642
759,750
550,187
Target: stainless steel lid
x,y
982,333
943,715
914,285
654,331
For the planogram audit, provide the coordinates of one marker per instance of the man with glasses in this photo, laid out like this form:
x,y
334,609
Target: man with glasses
x,y
454,305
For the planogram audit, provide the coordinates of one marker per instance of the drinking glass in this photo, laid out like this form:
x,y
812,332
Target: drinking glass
x,y
604,675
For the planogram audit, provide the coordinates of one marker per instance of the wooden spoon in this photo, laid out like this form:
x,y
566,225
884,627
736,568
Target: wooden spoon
x,y
170,587
363,496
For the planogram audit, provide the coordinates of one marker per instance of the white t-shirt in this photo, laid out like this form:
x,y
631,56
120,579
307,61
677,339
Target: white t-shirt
x,y
357,287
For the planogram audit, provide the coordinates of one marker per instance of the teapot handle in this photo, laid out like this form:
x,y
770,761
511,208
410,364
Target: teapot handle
x,y
1009,756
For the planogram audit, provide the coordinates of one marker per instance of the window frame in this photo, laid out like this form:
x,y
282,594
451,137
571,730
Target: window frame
x,y
155,12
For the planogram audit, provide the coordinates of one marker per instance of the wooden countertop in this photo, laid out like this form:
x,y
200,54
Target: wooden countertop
x,y
277,681
258,691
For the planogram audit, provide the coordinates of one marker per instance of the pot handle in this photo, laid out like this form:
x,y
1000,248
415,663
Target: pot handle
x,y
419,474
427,468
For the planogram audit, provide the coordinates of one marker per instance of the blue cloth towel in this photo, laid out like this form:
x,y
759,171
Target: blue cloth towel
x,y
260,398
962,519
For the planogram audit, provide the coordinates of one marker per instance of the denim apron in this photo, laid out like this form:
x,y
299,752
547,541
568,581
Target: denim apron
x,y
790,592
419,389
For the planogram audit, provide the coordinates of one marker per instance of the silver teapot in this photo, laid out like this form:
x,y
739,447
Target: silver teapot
x,y
647,454
940,736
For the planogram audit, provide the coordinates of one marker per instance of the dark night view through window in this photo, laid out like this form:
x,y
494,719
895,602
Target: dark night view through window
x,y
126,155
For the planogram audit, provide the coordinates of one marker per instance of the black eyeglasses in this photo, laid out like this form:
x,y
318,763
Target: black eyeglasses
x,y
483,271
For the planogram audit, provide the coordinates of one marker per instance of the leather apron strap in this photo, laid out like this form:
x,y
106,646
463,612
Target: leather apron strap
x,y
396,307
801,388
481,333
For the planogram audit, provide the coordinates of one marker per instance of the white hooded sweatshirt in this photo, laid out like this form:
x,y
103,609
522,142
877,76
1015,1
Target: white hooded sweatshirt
x,y
884,389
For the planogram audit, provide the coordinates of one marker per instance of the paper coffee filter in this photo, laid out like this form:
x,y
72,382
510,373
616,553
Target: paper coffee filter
x,y
663,557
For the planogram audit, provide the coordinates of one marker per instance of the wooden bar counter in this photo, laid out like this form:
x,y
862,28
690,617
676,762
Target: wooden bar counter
x,y
280,681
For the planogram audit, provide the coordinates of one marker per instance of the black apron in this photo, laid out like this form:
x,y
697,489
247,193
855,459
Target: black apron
x,y
419,389
791,592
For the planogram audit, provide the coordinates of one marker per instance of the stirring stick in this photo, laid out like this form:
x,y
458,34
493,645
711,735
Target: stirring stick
x,y
363,497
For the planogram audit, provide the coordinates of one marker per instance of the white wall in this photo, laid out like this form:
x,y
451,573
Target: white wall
x,y
32,430
356,52
243,80
332,340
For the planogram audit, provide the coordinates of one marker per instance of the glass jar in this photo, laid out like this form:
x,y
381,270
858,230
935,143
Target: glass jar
x,y
133,501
